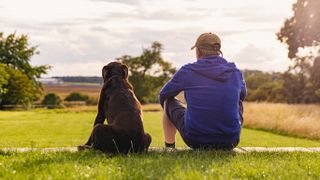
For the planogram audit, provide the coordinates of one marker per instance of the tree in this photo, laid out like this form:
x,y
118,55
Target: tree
x,y
148,72
301,30
262,86
301,35
20,89
52,100
15,55
4,76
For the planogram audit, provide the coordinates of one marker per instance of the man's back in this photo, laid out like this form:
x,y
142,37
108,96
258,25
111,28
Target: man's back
x,y
212,88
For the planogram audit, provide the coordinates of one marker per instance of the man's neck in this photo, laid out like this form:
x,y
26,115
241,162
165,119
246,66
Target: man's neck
x,y
203,57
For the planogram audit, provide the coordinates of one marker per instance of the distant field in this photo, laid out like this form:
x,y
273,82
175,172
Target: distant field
x,y
91,89
294,120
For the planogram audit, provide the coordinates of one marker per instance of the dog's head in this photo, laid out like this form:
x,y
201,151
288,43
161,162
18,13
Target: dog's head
x,y
114,69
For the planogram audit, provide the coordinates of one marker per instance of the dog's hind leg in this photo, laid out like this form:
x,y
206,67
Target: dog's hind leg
x,y
103,138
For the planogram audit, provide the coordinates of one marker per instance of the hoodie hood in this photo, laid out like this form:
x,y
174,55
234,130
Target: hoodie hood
x,y
213,67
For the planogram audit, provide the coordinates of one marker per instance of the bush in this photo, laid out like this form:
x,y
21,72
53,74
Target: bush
x,y
74,96
51,101
91,101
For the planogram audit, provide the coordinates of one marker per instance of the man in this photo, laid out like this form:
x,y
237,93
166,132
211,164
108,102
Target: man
x,y
214,90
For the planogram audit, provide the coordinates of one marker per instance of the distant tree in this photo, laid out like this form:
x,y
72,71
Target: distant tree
x,y
148,72
80,79
52,100
19,89
262,86
301,35
75,96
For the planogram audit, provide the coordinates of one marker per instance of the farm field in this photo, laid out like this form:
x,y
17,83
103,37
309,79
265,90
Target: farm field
x,y
90,89
293,120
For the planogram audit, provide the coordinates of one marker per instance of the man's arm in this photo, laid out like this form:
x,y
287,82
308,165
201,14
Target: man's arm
x,y
173,87
243,94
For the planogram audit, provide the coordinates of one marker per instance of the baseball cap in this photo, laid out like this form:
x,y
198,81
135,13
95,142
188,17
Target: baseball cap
x,y
209,42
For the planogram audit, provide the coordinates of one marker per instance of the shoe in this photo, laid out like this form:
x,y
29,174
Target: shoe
x,y
170,149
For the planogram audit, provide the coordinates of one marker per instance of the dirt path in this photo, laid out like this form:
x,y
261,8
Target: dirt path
x,y
160,149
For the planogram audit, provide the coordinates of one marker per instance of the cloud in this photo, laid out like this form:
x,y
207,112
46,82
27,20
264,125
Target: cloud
x,y
129,2
252,54
258,17
95,33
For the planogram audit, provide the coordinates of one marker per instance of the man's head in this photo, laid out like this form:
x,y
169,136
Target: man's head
x,y
207,44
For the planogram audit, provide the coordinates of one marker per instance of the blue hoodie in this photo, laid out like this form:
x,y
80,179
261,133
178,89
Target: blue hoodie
x,y
214,90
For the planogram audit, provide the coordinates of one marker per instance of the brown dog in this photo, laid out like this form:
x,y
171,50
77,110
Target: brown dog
x,y
124,132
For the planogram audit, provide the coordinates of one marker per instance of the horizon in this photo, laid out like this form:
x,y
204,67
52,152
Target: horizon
x,y
78,37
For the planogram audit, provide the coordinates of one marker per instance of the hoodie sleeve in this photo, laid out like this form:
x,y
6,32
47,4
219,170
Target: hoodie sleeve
x,y
172,87
243,92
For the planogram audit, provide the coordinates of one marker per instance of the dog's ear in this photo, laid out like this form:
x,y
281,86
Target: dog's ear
x,y
125,71
105,72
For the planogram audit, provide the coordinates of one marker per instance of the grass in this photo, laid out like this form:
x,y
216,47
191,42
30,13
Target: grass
x,y
71,127
174,165
294,120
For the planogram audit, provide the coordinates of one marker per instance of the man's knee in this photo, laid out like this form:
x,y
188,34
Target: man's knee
x,y
165,105
165,109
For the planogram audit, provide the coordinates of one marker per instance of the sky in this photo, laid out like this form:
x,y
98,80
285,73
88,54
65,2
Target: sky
x,y
78,37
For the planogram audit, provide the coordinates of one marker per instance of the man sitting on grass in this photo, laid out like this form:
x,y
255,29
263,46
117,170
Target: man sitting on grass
x,y
214,90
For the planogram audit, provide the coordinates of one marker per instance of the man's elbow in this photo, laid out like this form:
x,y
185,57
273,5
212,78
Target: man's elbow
x,y
161,99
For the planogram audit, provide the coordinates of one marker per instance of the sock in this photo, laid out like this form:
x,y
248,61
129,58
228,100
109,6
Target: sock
x,y
170,145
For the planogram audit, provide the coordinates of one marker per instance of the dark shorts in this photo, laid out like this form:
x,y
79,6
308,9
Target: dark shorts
x,y
175,112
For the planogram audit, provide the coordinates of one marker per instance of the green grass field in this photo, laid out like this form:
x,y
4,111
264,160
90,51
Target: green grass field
x,y
173,165
60,128
65,127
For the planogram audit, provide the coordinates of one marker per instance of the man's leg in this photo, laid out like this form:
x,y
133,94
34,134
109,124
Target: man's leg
x,y
169,129
172,120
